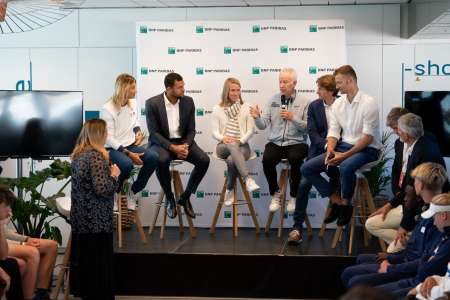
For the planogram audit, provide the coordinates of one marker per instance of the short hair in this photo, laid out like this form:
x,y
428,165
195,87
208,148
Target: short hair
x,y
433,175
441,199
366,293
411,124
6,196
346,70
291,72
327,82
394,115
169,80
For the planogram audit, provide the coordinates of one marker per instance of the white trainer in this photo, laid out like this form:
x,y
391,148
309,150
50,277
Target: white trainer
x,y
115,202
229,198
275,202
251,184
291,205
132,200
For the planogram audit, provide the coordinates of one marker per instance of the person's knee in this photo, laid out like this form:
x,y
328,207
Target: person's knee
x,y
373,223
346,276
305,169
49,247
150,157
125,168
204,161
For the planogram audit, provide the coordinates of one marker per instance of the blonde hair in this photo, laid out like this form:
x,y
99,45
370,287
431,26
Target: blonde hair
x,y
225,101
432,175
92,137
123,83
441,199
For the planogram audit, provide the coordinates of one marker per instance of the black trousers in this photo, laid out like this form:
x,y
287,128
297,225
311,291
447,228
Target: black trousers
x,y
196,156
11,267
273,154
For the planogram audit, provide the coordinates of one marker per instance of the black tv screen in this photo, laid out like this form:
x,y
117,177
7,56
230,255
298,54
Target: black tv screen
x,y
434,108
39,124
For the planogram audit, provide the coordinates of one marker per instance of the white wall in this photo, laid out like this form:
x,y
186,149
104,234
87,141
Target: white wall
x,y
86,50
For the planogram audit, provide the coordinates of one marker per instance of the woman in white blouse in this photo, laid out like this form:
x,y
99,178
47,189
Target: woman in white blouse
x,y
233,126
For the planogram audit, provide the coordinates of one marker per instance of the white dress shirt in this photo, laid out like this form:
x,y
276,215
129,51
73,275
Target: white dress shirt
x,y
173,117
406,154
355,119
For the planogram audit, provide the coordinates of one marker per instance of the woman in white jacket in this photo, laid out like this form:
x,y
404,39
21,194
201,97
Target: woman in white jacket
x,y
233,126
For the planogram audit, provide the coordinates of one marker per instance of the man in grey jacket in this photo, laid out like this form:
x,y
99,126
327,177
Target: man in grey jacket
x,y
285,115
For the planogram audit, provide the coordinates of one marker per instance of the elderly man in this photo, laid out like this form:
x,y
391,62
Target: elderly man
x,y
388,222
285,114
353,140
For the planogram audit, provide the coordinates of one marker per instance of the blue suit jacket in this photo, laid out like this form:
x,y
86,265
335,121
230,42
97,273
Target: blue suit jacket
x,y
317,128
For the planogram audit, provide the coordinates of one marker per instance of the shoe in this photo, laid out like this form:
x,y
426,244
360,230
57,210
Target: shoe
x,y
251,184
229,198
171,209
188,210
115,202
291,205
345,216
275,202
295,237
132,200
333,215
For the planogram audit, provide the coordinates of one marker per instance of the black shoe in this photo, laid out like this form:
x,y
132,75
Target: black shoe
x,y
188,210
171,208
333,215
345,216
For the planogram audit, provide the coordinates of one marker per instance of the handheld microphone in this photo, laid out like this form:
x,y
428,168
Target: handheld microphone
x,y
283,102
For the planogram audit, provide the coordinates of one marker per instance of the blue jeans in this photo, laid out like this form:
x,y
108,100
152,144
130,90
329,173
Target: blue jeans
x,y
399,288
125,164
345,173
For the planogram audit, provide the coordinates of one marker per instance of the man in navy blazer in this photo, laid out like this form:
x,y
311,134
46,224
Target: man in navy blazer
x,y
171,124
317,127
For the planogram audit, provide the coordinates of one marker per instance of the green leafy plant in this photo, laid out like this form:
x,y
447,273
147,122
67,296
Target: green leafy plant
x,y
33,212
379,176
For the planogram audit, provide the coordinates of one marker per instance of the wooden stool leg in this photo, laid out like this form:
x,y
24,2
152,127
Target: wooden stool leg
x,y
163,227
352,232
212,230
156,212
284,176
337,236
67,287
371,207
137,221
119,220
248,199
174,175
63,271
308,225
269,223
179,185
235,213
324,226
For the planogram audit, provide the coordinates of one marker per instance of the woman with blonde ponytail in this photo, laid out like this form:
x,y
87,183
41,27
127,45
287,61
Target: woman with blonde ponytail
x,y
93,184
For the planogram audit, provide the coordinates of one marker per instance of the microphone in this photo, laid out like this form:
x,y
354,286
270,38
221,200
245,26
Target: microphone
x,y
283,102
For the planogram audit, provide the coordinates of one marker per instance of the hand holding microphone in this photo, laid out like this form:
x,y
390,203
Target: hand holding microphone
x,y
285,113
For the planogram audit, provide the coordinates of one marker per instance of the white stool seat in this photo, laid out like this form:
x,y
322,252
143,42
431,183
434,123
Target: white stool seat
x,y
63,204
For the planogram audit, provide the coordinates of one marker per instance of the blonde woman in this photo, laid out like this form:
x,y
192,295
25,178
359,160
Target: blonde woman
x,y
124,137
233,126
91,215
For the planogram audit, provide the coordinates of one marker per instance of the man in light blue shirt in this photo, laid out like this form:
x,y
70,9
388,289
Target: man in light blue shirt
x,y
285,115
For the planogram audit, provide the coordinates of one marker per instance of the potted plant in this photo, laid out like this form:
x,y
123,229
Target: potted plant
x,y
33,213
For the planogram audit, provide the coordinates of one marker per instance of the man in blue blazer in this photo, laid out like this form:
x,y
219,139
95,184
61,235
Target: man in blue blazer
x,y
171,124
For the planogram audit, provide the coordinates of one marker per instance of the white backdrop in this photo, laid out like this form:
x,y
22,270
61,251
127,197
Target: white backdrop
x,y
205,54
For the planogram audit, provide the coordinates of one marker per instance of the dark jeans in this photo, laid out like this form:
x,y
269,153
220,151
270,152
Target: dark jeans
x,y
313,168
196,156
11,267
125,164
273,154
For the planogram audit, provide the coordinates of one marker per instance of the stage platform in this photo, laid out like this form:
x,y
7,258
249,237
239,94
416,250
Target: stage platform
x,y
258,266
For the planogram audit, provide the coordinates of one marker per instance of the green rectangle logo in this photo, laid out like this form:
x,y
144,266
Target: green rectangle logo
x,y
199,71
145,193
284,49
171,50
200,112
256,70
312,70
199,29
256,194
143,29
144,71
200,194
227,214
227,50
312,28
256,28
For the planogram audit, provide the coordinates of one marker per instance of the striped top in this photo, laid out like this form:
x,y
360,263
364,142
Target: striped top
x,y
232,128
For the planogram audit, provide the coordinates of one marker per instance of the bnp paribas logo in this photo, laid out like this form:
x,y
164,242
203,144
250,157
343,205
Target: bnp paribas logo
x,y
312,70
199,29
199,71
200,112
256,28
144,193
258,153
256,70
226,50
200,194
256,194
171,50
227,214
284,49
144,71
143,111
143,29
312,28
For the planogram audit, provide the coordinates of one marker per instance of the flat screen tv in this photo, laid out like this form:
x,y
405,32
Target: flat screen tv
x,y
39,124
434,108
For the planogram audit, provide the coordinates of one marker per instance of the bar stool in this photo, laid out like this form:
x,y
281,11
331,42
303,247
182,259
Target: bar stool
x,y
63,205
283,183
247,198
178,190
364,206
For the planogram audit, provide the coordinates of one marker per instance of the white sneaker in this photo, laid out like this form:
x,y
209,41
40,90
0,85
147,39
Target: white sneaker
x,y
291,205
115,202
251,184
275,203
229,198
132,200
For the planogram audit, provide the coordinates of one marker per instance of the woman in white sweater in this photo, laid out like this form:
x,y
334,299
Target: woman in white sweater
x,y
233,126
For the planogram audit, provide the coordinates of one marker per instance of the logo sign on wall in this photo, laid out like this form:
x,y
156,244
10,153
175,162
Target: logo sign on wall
x,y
205,54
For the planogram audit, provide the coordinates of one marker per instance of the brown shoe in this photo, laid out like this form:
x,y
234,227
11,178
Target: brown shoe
x,y
295,237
